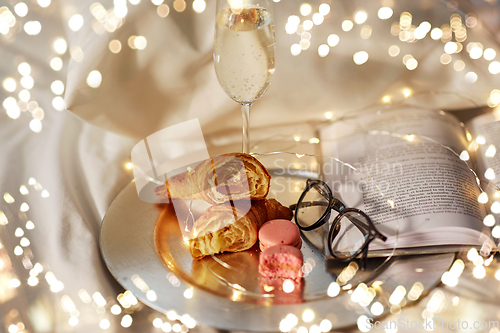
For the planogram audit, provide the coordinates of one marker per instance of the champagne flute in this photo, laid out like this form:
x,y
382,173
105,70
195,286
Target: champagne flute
x,y
244,53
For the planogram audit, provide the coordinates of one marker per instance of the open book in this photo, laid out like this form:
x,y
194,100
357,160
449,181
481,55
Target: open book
x,y
407,170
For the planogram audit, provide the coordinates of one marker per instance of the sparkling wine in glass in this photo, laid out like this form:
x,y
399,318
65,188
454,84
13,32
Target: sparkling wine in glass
x,y
244,53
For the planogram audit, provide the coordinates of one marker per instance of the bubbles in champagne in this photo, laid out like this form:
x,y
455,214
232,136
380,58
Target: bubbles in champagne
x,y
244,52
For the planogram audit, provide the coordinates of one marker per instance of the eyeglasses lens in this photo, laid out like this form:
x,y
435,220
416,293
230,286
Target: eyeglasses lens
x,y
353,232
313,206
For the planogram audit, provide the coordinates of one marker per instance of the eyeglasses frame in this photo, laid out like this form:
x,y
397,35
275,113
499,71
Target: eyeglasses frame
x,y
333,203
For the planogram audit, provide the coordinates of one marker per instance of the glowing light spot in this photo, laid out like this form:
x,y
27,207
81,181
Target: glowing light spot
x,y
24,207
157,2
3,221
24,69
377,309
9,84
459,65
24,242
172,315
27,82
333,40
318,18
393,50
32,281
495,207
489,174
449,279
116,309
199,6
496,232
483,198
325,325
76,53
360,57
397,295
14,283
290,28
126,321
464,155
188,293
157,322
472,254
140,42
151,296
19,232
363,323
94,79
18,250
305,9
30,225
179,5
386,99
21,9
489,220
491,151
57,87
494,67
308,25
120,11
481,139
45,194
347,25
328,115
36,125
58,103
75,23
489,54
60,46
166,327
476,52
313,140
324,9
445,59
323,50
134,2
288,286
294,20
56,63
360,17
308,315
104,324
411,64
163,10
32,28
44,3
450,47
295,49
38,114
24,95
385,13
479,272
471,77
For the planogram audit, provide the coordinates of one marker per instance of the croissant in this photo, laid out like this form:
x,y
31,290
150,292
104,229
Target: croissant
x,y
220,179
231,227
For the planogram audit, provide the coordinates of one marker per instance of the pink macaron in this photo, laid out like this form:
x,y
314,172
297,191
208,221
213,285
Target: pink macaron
x,y
281,261
279,232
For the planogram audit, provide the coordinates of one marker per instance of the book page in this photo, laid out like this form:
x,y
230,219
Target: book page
x,y
406,177
487,126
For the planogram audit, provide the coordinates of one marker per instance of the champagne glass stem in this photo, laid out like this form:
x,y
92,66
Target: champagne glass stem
x,y
245,113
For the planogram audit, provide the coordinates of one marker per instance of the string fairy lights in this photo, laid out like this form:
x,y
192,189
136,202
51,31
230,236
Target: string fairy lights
x,y
21,87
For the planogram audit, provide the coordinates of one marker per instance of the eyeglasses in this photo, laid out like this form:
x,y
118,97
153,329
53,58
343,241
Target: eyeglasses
x,y
351,230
